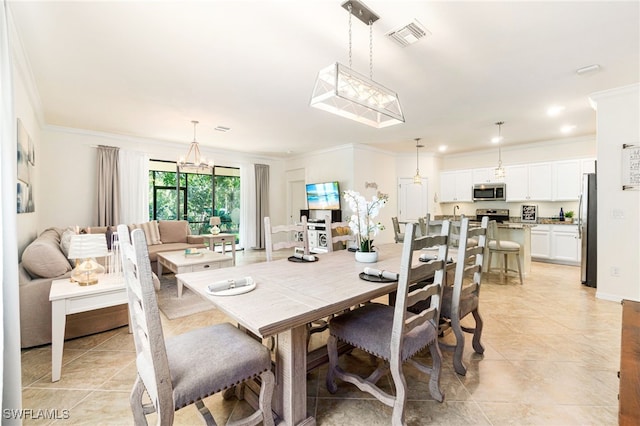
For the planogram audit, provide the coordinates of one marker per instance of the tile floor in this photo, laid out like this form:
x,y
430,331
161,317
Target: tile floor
x,y
552,356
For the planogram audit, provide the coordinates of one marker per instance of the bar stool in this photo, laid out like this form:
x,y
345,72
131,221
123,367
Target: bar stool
x,y
504,248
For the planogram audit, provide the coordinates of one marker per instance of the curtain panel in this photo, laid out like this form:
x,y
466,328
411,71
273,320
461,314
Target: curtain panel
x,y
108,190
262,202
134,187
247,206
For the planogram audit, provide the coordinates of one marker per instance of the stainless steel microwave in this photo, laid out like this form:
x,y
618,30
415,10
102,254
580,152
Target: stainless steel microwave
x,y
489,192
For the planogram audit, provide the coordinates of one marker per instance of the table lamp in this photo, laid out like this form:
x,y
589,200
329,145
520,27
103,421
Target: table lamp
x,y
214,222
84,248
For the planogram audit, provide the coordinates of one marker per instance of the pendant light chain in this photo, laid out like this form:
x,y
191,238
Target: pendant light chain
x,y
350,65
500,123
371,50
499,171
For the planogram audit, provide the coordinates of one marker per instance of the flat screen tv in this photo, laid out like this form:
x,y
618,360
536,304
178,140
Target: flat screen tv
x,y
323,196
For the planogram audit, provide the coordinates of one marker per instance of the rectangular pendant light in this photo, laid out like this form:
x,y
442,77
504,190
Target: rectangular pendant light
x,y
347,93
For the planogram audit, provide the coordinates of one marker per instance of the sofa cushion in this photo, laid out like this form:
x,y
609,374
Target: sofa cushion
x,y
65,243
173,231
151,232
44,258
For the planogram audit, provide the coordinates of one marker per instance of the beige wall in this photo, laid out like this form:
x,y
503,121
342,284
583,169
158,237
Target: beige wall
x,y
618,122
26,108
352,166
335,164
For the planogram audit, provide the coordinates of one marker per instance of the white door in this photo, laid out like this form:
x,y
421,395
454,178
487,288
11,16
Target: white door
x,y
413,199
298,194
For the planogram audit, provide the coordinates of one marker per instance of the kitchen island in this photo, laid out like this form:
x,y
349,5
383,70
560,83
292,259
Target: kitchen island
x,y
519,232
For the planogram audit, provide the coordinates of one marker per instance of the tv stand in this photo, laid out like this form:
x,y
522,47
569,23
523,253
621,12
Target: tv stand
x,y
336,215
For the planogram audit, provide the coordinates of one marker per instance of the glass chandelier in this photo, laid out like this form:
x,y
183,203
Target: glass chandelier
x,y
347,93
193,161
499,171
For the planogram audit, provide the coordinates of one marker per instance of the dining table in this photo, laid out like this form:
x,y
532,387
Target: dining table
x,y
288,295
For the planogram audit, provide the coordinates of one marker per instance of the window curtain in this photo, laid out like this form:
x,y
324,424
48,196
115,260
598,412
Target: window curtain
x,y
247,206
108,190
134,187
10,369
262,202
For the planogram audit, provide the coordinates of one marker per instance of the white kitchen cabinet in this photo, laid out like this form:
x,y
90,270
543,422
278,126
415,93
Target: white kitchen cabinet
x,y
517,182
541,242
529,182
589,165
556,243
565,243
484,175
566,180
540,178
456,186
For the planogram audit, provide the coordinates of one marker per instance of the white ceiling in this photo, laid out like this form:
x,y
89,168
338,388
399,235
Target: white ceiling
x,y
146,69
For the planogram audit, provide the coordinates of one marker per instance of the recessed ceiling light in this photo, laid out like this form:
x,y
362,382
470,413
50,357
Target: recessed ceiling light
x,y
442,148
567,128
496,139
222,129
555,110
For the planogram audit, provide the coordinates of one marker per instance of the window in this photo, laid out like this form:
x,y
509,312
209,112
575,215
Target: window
x,y
202,195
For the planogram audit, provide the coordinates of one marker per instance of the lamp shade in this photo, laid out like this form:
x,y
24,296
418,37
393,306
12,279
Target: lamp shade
x,y
215,220
345,92
84,246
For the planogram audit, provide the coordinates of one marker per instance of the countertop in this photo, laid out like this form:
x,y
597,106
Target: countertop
x,y
515,223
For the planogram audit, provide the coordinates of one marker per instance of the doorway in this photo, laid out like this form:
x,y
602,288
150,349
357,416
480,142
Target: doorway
x,y
413,199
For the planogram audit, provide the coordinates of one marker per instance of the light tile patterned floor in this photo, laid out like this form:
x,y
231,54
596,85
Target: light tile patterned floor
x,y
552,356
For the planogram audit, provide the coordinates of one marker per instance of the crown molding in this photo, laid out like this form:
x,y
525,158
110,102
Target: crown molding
x,y
162,144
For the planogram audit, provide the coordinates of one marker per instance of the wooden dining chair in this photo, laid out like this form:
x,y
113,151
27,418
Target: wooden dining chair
x,y
423,223
337,233
463,298
392,333
285,236
184,369
397,234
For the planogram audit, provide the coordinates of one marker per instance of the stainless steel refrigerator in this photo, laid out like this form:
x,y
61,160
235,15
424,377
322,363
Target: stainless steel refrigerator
x,y
587,230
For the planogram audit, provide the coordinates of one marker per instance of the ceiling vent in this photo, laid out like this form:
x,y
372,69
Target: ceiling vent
x,y
409,33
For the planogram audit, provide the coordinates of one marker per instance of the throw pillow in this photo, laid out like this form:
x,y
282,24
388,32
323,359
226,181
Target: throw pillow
x,y
43,258
151,232
65,243
174,231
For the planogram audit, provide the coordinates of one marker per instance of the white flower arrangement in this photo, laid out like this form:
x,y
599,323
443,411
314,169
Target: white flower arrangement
x,y
361,221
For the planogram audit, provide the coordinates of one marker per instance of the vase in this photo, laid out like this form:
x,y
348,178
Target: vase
x,y
366,256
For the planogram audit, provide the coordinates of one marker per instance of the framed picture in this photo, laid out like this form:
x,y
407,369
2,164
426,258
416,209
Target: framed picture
x,y
26,158
23,154
630,167
529,213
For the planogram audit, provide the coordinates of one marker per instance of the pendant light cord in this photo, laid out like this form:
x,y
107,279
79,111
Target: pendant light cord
x,y
350,8
500,123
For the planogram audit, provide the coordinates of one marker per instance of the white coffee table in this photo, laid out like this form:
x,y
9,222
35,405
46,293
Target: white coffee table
x,y
179,263
70,298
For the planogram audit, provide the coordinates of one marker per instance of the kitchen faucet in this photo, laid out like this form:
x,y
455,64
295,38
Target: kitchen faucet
x,y
454,211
